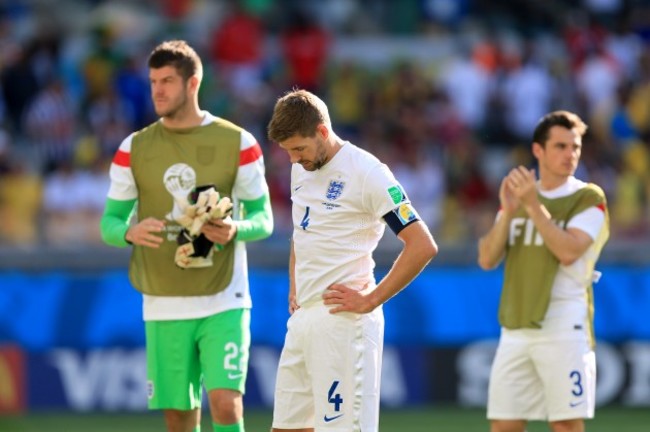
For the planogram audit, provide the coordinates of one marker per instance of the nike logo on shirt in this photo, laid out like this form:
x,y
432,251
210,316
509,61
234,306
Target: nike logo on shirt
x,y
329,419
575,404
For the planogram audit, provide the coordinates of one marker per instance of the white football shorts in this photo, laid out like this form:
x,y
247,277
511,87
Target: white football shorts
x,y
329,371
541,379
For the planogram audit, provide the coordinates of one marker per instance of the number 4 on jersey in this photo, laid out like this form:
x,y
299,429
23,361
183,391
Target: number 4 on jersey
x,y
305,223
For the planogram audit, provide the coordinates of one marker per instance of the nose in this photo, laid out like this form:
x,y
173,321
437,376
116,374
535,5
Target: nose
x,y
156,90
294,158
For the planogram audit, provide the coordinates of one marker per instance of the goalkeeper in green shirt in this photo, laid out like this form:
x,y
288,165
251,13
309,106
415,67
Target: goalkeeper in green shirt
x,y
198,182
549,231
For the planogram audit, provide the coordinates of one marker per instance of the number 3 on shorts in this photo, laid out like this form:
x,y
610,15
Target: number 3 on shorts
x,y
577,383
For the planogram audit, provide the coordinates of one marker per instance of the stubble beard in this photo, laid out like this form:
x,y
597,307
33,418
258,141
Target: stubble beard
x,y
314,165
320,160
176,110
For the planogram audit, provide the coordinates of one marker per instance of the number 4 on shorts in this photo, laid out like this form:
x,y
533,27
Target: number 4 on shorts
x,y
334,398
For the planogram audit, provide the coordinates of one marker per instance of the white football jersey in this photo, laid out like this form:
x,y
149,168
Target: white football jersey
x,y
337,217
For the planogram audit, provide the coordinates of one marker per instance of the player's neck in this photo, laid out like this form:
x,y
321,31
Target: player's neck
x,y
334,146
549,182
184,119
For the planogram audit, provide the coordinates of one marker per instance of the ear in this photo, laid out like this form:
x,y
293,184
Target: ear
x,y
538,150
323,131
193,84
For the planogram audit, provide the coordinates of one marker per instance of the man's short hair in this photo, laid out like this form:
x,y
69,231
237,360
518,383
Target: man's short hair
x,y
562,118
178,54
298,112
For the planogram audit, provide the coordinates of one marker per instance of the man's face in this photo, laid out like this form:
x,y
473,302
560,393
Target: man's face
x,y
168,91
561,154
309,152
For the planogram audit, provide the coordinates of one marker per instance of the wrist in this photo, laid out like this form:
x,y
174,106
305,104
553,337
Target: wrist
x,y
507,214
127,238
531,208
374,299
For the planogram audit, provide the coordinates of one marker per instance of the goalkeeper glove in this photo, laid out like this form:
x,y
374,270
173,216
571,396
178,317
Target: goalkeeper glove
x,y
195,250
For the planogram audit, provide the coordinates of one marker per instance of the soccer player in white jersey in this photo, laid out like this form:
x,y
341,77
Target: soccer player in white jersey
x,y
329,372
193,276
549,231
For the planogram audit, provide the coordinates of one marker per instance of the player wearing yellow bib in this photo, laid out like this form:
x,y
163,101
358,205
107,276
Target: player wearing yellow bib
x,y
198,182
343,197
550,232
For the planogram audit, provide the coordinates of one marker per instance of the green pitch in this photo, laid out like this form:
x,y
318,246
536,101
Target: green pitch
x,y
437,419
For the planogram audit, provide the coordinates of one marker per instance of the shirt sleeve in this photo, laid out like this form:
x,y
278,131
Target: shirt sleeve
x,y
123,185
121,199
590,221
115,221
252,190
250,183
258,220
382,192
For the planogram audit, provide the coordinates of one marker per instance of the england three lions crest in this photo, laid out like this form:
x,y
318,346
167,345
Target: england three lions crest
x,y
334,190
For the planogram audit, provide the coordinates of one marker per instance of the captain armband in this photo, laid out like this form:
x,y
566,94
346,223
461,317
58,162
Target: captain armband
x,y
401,217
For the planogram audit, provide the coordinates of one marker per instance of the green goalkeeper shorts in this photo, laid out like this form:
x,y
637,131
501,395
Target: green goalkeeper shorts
x,y
183,354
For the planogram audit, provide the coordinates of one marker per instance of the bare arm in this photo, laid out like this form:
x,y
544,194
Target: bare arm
x,y
419,248
492,246
293,305
566,244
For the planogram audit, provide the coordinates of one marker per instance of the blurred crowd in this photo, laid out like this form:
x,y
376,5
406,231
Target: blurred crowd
x,y
446,92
